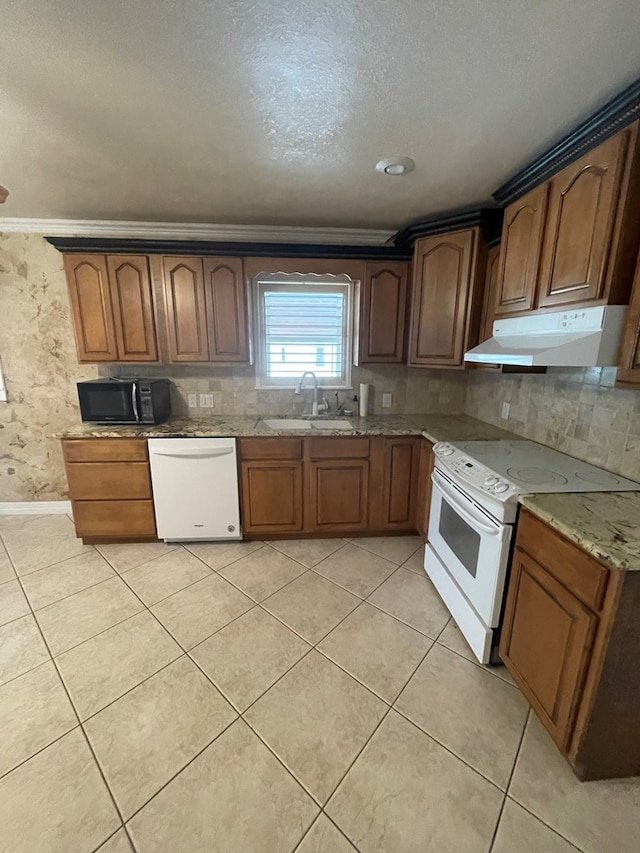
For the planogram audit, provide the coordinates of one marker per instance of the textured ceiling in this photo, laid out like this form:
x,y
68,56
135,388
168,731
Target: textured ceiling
x,y
276,111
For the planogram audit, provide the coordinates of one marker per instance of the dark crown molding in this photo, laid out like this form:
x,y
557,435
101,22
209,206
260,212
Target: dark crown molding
x,y
100,245
618,112
489,220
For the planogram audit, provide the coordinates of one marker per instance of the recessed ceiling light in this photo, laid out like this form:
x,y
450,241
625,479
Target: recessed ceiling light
x,y
395,165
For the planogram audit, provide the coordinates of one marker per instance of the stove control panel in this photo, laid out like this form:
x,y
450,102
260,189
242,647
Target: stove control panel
x,y
469,470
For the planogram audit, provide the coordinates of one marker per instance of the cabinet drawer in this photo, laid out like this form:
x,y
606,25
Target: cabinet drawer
x,y
338,448
108,480
585,577
105,449
114,518
271,448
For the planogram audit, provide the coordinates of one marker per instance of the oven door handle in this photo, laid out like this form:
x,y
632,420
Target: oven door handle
x,y
469,517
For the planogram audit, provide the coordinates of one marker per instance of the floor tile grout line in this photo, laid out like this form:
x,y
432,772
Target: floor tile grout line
x,y
93,636
544,823
398,565
449,750
398,619
120,572
481,666
113,835
333,823
38,751
51,565
71,594
84,734
181,770
506,790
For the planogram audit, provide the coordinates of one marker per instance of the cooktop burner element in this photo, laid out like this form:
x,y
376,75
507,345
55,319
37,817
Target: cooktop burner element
x,y
535,476
497,472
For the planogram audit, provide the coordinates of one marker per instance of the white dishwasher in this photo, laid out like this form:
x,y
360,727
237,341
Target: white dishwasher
x,y
195,488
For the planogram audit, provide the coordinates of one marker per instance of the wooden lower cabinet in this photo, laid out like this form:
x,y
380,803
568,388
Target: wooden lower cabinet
x,y
271,496
426,461
571,639
333,486
338,496
110,488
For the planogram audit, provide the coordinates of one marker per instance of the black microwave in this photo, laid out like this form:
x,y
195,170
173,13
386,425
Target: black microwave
x,y
125,401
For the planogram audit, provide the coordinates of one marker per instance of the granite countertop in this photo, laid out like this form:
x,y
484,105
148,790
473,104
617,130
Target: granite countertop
x,y
433,427
605,524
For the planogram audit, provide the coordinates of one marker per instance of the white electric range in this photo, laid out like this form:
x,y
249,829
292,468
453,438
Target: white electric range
x,y
474,503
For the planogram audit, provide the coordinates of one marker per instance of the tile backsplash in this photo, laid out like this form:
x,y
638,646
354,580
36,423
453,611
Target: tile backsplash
x,y
414,391
575,410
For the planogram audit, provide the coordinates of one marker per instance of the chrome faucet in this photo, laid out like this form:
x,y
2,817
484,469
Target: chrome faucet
x,y
317,406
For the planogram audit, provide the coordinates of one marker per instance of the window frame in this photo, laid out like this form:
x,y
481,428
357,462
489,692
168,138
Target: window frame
x,y
294,282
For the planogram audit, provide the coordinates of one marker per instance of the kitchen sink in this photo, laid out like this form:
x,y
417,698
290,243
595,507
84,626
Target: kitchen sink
x,y
306,423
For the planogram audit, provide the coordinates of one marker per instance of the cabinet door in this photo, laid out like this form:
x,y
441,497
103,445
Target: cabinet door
x,y
338,495
186,309
226,309
519,267
383,306
271,497
441,292
583,201
423,500
400,483
130,288
88,283
629,370
546,644
490,293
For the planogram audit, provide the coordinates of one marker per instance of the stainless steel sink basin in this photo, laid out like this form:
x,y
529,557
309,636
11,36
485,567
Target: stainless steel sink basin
x,y
341,424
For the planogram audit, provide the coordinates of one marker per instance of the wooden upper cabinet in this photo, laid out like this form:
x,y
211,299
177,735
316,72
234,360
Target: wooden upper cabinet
x,y
490,293
583,203
383,306
226,309
629,366
521,243
444,299
88,283
186,309
130,287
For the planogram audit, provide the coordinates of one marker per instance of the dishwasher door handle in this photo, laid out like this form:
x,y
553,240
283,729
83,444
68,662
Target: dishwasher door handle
x,y
193,454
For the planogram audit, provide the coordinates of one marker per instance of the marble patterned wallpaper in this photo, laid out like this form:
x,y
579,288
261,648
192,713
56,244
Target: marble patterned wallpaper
x,y
575,410
40,369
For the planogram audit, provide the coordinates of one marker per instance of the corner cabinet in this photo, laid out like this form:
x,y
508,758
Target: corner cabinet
x,y
569,629
382,313
206,309
447,296
112,308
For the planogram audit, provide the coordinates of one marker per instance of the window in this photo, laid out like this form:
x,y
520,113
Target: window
x,y
303,323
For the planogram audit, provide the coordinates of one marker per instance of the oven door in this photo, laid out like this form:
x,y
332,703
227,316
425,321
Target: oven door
x,y
472,546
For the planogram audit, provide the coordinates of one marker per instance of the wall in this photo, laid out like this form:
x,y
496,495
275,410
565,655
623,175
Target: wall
x,y
233,389
40,366
577,411
40,369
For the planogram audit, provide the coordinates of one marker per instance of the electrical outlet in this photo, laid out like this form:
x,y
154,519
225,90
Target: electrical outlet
x,y
387,399
206,401
192,400
505,411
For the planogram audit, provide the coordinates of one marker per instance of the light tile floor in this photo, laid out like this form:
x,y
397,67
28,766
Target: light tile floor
x,y
310,696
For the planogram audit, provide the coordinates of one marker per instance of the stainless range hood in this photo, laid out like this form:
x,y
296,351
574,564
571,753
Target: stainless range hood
x,y
586,337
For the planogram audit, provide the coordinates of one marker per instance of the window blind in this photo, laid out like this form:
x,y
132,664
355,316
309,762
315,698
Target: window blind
x,y
303,327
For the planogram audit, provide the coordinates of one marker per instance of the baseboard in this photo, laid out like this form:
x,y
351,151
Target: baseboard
x,y
35,508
